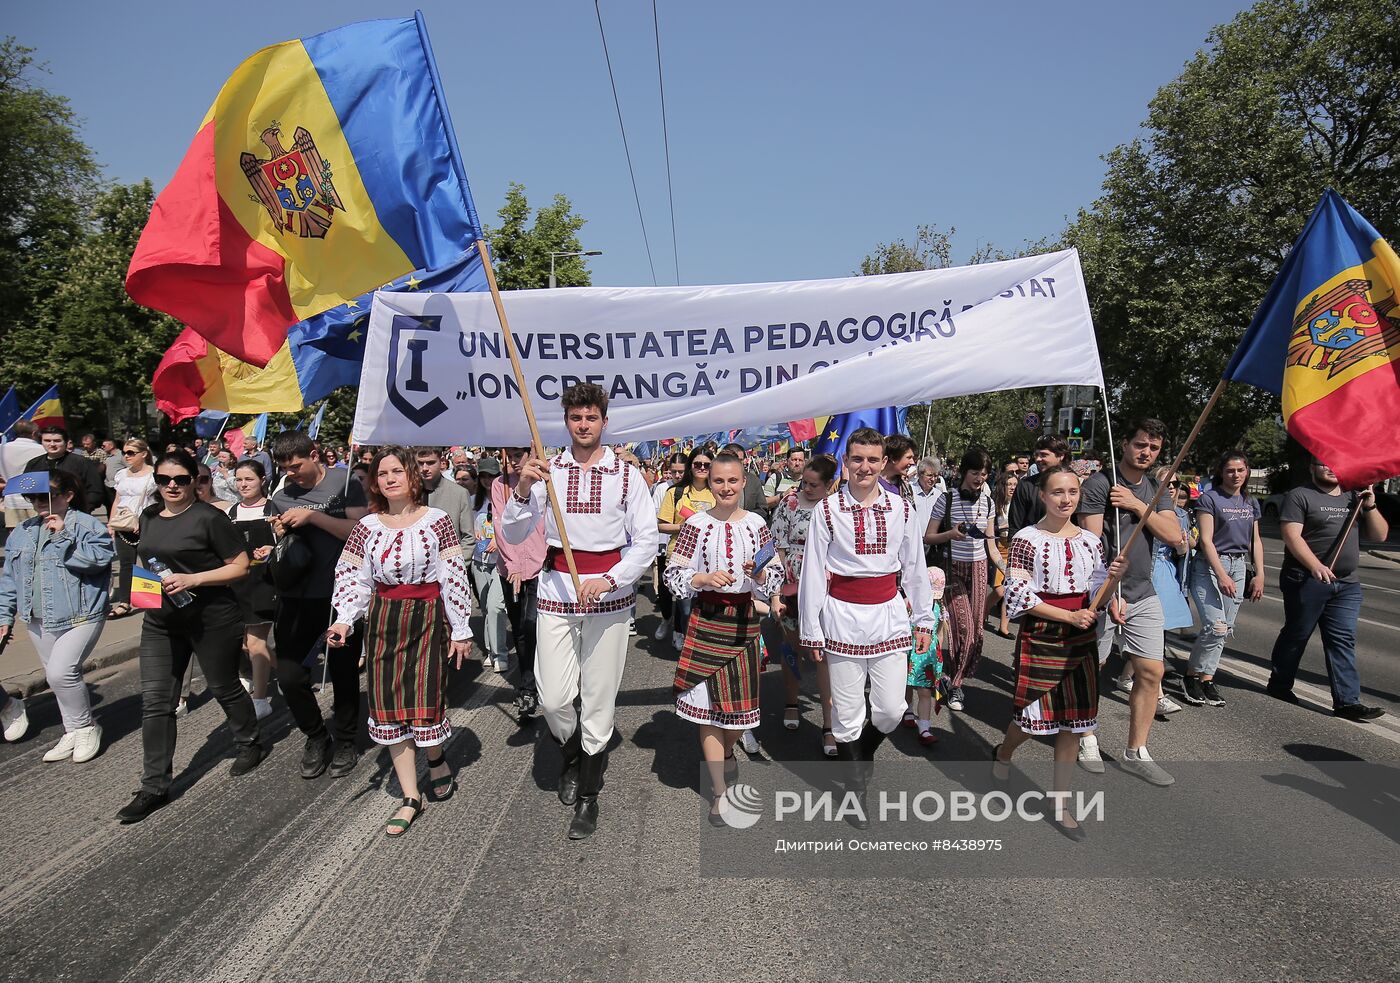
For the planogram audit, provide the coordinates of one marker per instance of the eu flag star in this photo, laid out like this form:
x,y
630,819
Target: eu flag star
x,y
413,282
834,435
352,305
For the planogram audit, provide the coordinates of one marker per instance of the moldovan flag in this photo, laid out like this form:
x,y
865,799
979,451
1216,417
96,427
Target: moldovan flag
x,y
46,411
1327,340
145,588
326,168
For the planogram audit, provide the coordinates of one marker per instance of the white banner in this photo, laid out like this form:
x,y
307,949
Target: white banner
x,y
681,360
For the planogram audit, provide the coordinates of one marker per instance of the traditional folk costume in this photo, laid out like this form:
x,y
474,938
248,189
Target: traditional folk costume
x,y
850,606
406,580
1057,664
717,676
967,578
611,522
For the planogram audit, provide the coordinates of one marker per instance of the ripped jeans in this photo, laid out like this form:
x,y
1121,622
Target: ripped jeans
x,y
1217,611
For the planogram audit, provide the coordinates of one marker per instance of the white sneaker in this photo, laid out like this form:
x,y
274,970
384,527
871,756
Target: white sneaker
x,y
1089,757
677,640
14,719
1124,684
263,707
502,664
247,684
662,630
63,750
1166,705
182,708
748,742
87,743
631,626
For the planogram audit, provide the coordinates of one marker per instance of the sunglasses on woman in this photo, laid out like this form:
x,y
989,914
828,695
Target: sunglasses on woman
x,y
700,466
130,453
182,480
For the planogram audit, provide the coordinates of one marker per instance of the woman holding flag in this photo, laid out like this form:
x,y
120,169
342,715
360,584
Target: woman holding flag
x,y
58,571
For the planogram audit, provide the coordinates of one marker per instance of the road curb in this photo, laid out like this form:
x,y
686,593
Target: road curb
x,y
35,682
1383,555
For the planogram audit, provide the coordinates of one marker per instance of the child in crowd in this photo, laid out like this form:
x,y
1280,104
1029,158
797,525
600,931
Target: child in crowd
x,y
926,668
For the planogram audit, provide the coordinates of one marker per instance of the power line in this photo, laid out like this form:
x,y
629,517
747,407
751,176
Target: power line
x,y
627,150
666,141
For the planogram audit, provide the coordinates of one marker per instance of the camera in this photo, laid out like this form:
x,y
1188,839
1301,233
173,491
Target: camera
x,y
972,530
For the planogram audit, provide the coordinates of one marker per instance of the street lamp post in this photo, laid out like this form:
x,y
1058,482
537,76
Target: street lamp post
x,y
108,391
586,252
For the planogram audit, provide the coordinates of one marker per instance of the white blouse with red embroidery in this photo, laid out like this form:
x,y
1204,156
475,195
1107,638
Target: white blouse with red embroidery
x,y
606,507
1040,563
427,552
707,545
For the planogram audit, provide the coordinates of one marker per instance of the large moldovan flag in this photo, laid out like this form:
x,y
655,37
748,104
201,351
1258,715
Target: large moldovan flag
x,y
1327,340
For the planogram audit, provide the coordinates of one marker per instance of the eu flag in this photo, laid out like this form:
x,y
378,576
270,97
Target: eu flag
x,y
832,440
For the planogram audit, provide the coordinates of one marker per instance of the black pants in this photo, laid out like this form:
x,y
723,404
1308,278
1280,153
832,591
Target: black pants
x,y
168,639
664,601
299,626
521,610
126,559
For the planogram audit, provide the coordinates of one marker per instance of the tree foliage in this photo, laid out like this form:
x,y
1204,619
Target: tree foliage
x,y
520,248
1289,98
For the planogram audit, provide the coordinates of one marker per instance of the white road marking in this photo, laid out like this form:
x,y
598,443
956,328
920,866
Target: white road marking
x,y
1363,621
1368,586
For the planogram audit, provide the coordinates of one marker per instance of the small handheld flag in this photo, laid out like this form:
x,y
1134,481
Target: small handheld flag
x,y
9,409
145,588
46,411
29,483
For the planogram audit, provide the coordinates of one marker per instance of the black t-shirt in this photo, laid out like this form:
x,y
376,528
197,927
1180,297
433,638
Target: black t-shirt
x,y
1323,517
332,496
199,539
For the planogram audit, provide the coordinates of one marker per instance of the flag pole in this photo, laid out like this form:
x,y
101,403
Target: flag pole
x,y
1112,582
1346,531
538,443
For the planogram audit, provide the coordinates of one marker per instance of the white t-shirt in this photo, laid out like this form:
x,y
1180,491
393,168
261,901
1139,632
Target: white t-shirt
x,y
136,491
17,453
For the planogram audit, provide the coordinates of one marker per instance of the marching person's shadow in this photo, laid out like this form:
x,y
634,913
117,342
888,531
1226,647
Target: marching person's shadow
x,y
1360,795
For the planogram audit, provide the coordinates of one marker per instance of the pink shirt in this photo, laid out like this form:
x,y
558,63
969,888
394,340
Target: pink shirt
x,y
525,558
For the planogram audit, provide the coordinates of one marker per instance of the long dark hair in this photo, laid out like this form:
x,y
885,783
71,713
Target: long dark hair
x,y
1217,477
483,490
688,478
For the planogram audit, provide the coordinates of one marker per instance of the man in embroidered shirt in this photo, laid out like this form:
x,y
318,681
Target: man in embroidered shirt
x,y
866,538
581,639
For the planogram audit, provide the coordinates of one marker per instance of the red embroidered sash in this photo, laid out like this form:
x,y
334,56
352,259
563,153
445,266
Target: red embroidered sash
x,y
587,561
408,592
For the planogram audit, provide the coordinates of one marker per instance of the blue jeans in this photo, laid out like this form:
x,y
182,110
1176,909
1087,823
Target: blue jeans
x,y
1308,603
1218,612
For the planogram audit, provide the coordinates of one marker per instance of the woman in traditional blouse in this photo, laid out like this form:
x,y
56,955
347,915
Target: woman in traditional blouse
x,y
1055,568
403,569
717,676
791,517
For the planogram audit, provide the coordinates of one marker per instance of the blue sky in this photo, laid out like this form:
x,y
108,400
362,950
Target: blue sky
x,y
802,133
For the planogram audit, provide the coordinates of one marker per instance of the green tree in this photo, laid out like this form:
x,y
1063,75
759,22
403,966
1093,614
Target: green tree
x,y
993,420
1289,98
520,249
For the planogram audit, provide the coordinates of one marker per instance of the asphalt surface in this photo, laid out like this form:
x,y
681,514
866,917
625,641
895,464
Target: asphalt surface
x,y
270,877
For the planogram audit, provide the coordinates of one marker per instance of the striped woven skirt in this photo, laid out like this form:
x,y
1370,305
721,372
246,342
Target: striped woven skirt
x,y
1057,674
717,675
406,656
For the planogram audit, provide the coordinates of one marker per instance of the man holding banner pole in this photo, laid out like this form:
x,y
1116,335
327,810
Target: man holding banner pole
x,y
581,646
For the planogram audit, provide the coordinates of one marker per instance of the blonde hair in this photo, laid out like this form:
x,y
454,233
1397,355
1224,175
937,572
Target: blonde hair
x,y
141,446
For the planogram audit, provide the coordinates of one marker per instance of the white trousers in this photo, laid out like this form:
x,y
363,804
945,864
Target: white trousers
x,y
581,654
887,674
62,654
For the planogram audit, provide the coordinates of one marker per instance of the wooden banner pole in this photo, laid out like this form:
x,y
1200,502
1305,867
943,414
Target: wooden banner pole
x,y
538,444
1112,582
1351,521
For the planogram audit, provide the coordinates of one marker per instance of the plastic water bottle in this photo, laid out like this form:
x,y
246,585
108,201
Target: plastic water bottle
x,y
162,570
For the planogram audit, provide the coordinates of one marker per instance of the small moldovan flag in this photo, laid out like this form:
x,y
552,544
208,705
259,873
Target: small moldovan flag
x,y
1327,340
46,411
145,588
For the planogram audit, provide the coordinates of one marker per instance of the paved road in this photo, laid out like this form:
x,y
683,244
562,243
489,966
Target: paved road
x,y
273,878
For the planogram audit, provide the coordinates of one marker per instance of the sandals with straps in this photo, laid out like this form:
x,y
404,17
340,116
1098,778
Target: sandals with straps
x,y
830,750
440,789
396,827
792,724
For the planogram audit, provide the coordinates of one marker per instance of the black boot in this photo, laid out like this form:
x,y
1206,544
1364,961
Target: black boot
x,y
849,752
870,741
572,750
590,781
